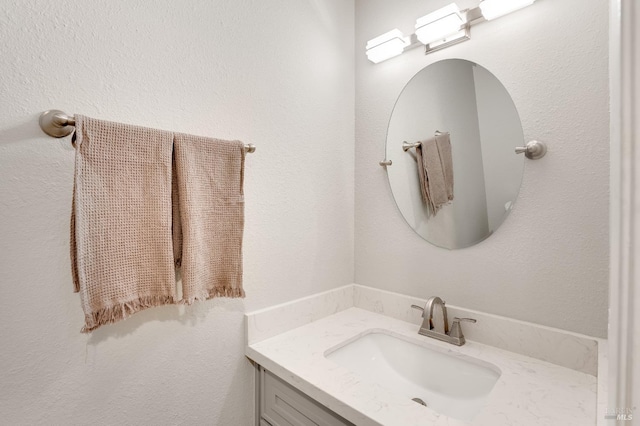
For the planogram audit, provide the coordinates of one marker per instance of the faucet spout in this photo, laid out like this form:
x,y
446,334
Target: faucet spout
x,y
439,324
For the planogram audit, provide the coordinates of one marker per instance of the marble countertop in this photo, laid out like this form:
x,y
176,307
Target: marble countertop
x,y
529,391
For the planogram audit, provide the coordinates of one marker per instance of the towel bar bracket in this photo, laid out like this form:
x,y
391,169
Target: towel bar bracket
x,y
57,124
406,146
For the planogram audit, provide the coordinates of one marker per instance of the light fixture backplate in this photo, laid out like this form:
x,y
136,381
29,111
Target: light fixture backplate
x,y
463,35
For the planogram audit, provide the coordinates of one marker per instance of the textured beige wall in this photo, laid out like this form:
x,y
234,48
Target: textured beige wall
x,y
278,74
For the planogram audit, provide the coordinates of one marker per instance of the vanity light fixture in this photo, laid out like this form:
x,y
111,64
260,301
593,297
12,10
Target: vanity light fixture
x,y
492,9
386,46
440,29
439,25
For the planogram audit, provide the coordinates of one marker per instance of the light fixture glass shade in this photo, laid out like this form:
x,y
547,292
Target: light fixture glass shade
x,y
492,9
386,46
439,25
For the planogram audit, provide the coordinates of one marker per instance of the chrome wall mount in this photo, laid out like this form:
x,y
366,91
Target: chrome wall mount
x,y
58,124
386,163
534,150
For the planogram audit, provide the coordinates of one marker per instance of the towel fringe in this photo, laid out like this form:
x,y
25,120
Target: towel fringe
x,y
111,314
215,292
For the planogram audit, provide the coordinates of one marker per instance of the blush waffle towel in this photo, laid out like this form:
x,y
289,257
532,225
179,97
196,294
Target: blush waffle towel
x,y
435,171
121,252
208,247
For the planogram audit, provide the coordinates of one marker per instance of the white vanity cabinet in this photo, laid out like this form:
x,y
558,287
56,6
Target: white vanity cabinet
x,y
280,404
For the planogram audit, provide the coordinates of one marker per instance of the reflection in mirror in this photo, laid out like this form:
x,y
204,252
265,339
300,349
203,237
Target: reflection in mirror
x,y
468,102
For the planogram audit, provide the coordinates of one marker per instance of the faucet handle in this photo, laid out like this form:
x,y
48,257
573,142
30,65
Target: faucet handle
x,y
419,308
456,319
456,330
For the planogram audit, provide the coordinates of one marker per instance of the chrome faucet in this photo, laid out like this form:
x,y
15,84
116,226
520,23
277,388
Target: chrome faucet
x,y
427,314
440,329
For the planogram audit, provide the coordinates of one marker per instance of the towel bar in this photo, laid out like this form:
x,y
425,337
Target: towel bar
x,y
406,146
58,124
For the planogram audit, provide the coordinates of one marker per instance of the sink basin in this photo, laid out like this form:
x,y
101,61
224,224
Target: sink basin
x,y
452,384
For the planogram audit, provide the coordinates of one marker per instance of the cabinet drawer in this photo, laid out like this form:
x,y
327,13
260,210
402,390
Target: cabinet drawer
x,y
283,405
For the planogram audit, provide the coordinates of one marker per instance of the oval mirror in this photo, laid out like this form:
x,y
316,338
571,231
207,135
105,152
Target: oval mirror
x,y
467,102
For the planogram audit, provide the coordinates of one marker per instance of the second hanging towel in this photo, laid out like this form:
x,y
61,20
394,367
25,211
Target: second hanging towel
x,y
208,216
